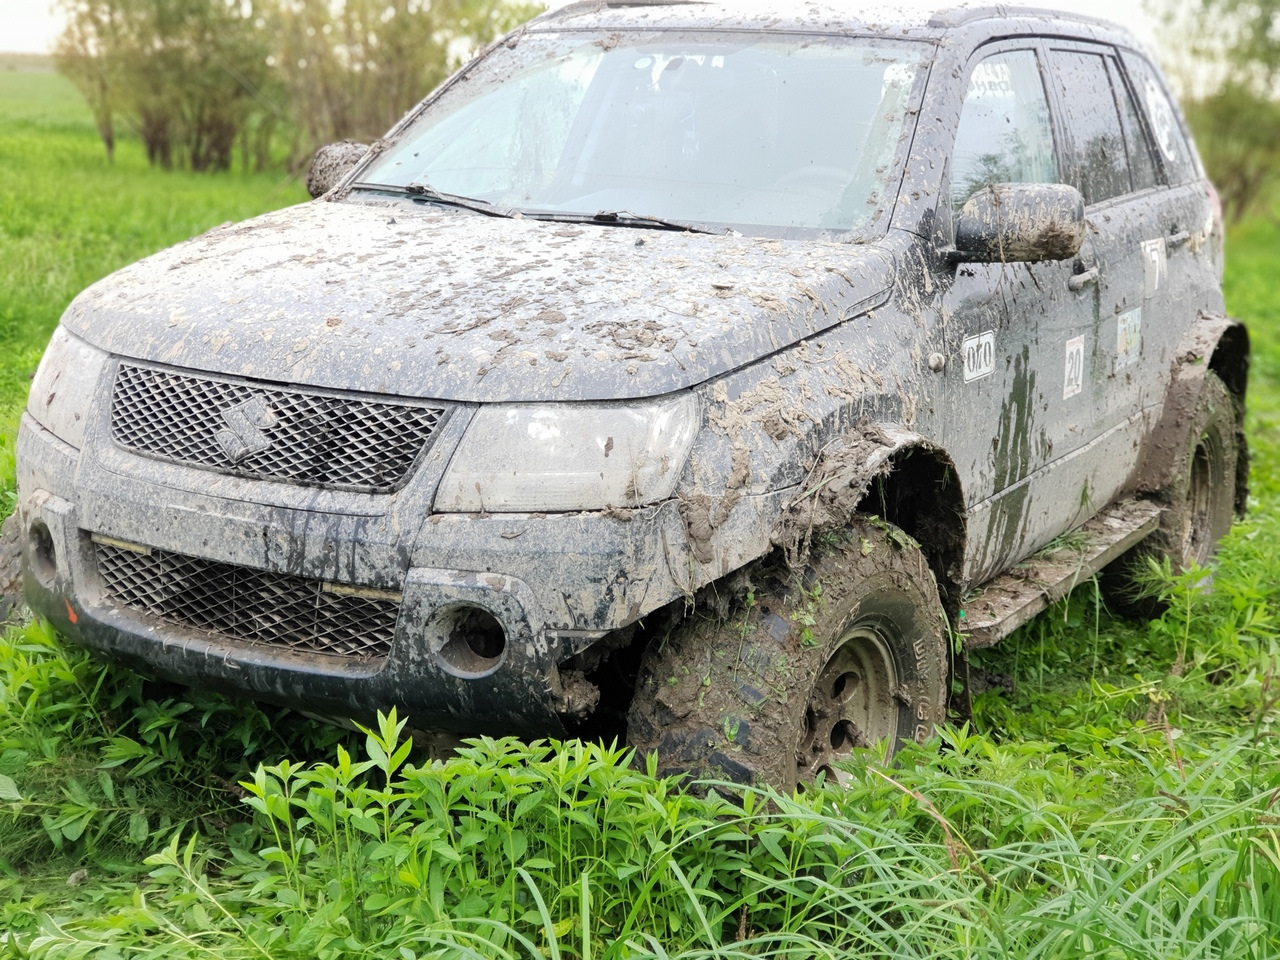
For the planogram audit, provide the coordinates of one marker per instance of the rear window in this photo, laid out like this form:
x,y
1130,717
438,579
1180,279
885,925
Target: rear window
x,y
1143,172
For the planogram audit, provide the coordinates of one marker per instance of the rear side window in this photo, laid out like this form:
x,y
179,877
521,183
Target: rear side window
x,y
1005,135
1143,172
1099,163
1162,118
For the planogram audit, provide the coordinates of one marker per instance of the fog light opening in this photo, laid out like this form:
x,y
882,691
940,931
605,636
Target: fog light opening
x,y
43,557
474,641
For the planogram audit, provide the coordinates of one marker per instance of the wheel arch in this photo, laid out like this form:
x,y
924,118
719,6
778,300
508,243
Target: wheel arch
x,y
919,492
1217,345
898,476
1229,358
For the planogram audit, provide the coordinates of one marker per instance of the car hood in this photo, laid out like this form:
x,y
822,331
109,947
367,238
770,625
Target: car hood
x,y
415,300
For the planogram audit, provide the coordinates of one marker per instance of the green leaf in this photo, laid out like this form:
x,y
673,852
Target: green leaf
x,y
138,829
9,789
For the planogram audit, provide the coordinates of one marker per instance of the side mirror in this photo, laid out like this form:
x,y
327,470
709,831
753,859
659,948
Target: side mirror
x,y
332,162
1021,223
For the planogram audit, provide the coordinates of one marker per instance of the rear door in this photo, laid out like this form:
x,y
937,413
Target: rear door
x,y
1181,212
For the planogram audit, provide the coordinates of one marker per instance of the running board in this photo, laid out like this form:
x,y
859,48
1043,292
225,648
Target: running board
x,y
1002,605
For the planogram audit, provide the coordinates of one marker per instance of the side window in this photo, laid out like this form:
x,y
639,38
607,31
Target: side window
x,y
1005,135
1098,165
1162,119
1142,166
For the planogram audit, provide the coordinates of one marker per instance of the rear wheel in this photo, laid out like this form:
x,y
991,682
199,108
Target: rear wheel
x,y
848,652
1202,502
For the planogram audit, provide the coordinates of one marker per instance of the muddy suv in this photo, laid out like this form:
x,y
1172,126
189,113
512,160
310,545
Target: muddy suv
x,y
674,369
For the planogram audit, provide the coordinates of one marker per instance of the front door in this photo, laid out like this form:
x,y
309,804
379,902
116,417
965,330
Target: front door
x,y
1019,330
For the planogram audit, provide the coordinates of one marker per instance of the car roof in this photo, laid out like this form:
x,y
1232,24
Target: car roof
x,y
922,19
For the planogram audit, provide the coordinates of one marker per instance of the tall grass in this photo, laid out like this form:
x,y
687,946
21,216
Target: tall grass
x,y
564,850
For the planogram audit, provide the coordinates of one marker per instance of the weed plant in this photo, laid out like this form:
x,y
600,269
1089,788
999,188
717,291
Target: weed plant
x,y
1116,795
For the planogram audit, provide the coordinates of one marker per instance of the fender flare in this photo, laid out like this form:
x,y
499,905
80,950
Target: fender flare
x,y
841,481
1217,344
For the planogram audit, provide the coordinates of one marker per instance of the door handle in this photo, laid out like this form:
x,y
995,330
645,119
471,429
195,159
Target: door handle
x,y
1079,281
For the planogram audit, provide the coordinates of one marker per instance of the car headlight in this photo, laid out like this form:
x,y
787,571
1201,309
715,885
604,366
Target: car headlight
x,y
63,386
518,458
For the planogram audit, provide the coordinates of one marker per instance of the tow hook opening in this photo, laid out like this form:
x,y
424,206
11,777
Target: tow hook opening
x,y
43,555
474,641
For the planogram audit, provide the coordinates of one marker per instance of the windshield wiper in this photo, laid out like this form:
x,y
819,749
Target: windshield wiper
x,y
428,192
625,218
622,218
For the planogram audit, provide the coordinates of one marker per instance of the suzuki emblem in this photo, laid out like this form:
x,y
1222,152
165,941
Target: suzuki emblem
x,y
245,423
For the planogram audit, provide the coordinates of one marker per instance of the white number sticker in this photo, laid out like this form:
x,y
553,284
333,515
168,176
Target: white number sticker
x,y
1155,263
979,356
1074,378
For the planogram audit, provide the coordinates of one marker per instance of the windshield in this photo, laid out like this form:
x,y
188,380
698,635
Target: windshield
x,y
730,130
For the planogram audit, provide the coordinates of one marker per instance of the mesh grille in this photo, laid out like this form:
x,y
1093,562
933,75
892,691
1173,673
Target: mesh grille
x,y
253,430
251,605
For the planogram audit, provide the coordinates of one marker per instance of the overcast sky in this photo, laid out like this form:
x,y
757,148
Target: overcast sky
x,y
29,26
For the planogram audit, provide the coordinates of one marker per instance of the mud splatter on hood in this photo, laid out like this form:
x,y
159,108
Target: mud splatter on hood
x,y
408,299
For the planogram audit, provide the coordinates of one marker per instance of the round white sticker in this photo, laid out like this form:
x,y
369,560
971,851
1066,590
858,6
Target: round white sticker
x,y
1163,124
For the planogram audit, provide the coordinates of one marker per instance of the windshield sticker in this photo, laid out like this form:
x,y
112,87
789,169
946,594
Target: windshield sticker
x,y
979,356
1155,262
1128,337
1073,381
991,81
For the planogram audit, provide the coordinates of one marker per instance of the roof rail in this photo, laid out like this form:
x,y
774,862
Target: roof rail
x,y
592,6
958,16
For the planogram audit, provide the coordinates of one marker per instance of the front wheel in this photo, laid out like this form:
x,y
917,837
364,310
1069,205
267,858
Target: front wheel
x,y
849,651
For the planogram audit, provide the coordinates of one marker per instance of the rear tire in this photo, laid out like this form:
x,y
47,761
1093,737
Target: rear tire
x,y
849,651
1202,502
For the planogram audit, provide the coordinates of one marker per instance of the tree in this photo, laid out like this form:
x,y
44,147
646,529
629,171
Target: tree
x,y
193,77
186,74
353,67
81,54
1224,55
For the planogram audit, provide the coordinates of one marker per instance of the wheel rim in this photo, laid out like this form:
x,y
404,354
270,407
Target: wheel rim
x,y
852,704
1202,532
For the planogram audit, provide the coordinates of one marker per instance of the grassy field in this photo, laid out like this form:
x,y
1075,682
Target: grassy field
x,y
68,217
1121,801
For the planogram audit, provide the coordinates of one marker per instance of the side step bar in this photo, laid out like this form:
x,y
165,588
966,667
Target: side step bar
x,y
1008,601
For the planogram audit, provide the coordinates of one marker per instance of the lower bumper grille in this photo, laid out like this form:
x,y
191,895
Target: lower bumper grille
x,y
250,605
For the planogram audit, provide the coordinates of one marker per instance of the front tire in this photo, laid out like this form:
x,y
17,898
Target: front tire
x,y
848,652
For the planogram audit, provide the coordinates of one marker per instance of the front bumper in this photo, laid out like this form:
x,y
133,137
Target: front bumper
x,y
554,583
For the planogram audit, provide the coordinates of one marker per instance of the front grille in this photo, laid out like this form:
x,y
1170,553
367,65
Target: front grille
x,y
259,431
250,605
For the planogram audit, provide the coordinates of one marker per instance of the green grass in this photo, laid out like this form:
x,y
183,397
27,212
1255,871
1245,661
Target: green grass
x,y
68,217
1122,802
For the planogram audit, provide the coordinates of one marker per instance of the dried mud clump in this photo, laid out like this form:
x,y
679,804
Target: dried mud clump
x,y
833,491
332,163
